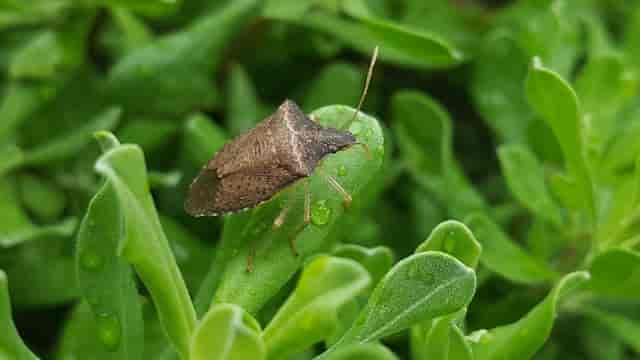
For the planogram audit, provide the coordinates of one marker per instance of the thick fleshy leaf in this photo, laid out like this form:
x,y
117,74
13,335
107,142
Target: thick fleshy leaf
x,y
605,85
144,7
371,351
244,107
523,338
227,332
418,288
107,281
11,345
352,168
310,314
19,101
526,180
148,133
15,225
42,197
441,340
423,129
46,269
556,102
616,273
70,144
398,44
145,245
172,74
454,238
377,260
497,86
620,325
323,91
503,256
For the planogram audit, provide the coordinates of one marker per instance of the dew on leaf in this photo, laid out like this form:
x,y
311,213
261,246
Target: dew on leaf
x,y
320,213
109,331
91,261
342,170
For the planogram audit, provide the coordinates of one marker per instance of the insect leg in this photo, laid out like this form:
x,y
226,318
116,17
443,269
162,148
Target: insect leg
x,y
365,147
346,197
307,218
283,213
252,253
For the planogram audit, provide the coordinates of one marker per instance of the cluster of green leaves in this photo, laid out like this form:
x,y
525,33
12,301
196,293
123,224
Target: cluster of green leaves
x,y
507,229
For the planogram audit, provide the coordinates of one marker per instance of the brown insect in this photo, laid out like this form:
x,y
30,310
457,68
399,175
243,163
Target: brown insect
x,y
279,151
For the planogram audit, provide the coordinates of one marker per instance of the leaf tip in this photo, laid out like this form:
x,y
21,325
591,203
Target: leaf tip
x,y
106,140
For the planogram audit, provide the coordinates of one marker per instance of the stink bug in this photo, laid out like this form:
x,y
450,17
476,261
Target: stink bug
x,y
282,149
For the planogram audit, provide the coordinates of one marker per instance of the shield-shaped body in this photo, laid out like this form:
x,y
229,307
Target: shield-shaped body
x,y
253,167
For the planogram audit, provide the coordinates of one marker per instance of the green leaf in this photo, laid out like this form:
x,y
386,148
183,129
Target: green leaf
x,y
244,107
202,139
46,270
337,83
20,100
523,338
371,351
605,86
41,197
377,260
557,104
525,177
398,44
70,144
149,134
11,345
286,9
192,255
154,8
33,12
145,245
619,325
12,156
106,280
616,273
454,238
40,58
635,203
358,169
503,256
172,75
126,33
418,288
227,332
16,227
423,129
310,313
498,74
442,339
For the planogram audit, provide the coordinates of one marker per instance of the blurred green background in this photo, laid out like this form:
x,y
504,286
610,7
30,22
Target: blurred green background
x,y
545,175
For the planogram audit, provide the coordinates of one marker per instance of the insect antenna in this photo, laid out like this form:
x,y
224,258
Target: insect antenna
x,y
374,57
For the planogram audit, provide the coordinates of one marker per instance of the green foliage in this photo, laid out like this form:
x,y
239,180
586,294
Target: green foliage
x,y
495,183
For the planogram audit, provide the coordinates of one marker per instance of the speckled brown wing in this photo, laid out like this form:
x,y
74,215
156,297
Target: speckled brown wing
x,y
211,196
250,187
254,148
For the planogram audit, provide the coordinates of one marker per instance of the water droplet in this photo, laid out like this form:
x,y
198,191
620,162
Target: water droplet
x,y
109,331
368,133
342,170
355,128
91,260
320,213
380,151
